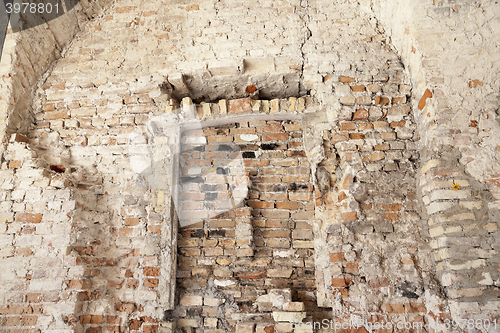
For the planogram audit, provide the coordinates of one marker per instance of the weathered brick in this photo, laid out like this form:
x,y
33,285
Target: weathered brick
x,y
29,218
151,271
191,300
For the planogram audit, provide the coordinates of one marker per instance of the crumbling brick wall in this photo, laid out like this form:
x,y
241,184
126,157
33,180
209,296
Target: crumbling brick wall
x,y
111,260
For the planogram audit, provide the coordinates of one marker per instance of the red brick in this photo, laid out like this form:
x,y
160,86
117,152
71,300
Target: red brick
x,y
379,282
394,308
56,115
276,233
293,127
242,130
336,257
34,297
131,221
212,252
125,306
393,207
152,271
154,229
413,307
11,321
358,88
210,312
270,129
423,100
296,153
227,242
347,79
135,324
262,204
275,214
306,215
250,275
255,163
395,124
381,100
273,196
302,234
361,114
48,107
376,156
339,283
78,284
115,284
276,223
391,216
228,138
356,136
240,105
384,146
28,218
351,268
388,136
350,216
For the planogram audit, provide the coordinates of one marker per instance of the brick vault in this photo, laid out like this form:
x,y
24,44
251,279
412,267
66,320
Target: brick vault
x,y
290,166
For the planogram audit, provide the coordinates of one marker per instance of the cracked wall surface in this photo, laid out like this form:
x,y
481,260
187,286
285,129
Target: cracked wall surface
x,y
448,47
389,209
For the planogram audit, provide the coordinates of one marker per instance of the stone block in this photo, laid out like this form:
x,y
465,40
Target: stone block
x,y
294,306
291,317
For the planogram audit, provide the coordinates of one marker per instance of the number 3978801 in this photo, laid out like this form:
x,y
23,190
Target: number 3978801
x,y
26,7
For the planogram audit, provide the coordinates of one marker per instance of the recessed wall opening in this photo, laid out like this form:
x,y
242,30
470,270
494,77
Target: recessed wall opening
x,y
254,78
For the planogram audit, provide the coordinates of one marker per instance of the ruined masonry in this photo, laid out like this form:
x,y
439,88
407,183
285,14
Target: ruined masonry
x,y
274,166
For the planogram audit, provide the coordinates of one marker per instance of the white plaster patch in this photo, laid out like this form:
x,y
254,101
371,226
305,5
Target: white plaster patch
x,y
225,283
249,137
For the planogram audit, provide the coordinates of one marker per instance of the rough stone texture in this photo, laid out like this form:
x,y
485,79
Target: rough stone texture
x,y
26,57
457,105
317,169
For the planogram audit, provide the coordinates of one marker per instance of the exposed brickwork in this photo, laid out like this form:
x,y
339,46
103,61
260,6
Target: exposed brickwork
x,y
278,251
321,218
459,165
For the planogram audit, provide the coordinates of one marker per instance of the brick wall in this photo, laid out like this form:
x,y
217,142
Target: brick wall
x,y
455,108
262,244
365,149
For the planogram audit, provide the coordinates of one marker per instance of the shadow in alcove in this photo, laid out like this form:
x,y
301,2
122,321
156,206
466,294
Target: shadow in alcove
x,y
208,88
